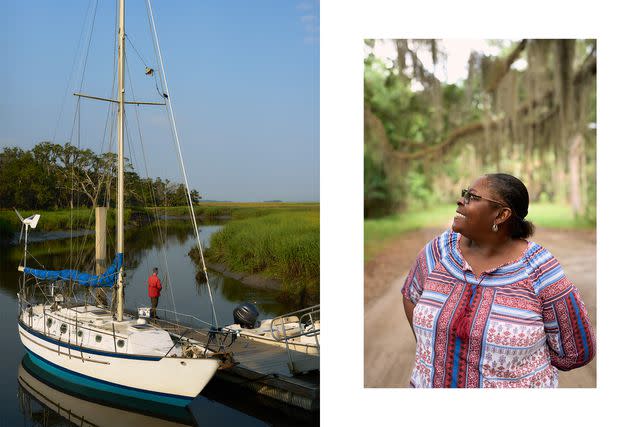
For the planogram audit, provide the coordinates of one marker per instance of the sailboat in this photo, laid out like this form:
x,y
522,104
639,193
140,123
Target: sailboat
x,y
86,344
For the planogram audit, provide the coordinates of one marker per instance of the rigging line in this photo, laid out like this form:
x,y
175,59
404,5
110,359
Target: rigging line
x,y
156,48
108,120
177,143
84,68
110,149
79,256
136,50
73,127
91,212
73,66
144,158
111,117
35,259
155,78
112,108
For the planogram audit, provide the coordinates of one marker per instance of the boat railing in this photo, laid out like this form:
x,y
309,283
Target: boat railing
x,y
307,321
182,320
188,328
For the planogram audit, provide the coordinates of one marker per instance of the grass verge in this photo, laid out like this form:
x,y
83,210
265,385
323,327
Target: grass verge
x,y
378,232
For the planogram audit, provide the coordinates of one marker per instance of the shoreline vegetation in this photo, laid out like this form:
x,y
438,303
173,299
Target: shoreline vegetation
x,y
271,245
84,218
281,245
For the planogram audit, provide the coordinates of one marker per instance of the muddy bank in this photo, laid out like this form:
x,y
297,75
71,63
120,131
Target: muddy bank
x,y
252,280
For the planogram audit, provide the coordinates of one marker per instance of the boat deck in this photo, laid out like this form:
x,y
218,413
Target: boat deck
x,y
265,369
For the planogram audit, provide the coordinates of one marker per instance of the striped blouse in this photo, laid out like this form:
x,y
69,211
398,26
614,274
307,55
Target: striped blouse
x,y
527,319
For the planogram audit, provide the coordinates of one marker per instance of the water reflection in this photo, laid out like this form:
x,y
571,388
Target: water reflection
x,y
165,245
48,401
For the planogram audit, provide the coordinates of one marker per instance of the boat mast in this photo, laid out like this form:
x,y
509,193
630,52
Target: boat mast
x,y
120,213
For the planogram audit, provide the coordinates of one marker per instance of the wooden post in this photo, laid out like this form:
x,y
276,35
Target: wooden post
x,y
101,251
101,240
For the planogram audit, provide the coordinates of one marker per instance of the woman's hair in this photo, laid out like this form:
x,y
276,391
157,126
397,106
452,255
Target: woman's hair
x,y
516,196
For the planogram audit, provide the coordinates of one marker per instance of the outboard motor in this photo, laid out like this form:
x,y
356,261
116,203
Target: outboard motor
x,y
246,315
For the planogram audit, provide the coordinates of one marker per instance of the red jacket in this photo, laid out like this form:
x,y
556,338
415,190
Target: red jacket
x,y
154,286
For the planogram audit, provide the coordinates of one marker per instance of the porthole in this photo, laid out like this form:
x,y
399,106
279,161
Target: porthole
x,y
79,333
98,338
63,328
49,322
120,343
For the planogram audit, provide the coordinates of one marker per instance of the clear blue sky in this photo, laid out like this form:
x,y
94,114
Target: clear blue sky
x,y
243,76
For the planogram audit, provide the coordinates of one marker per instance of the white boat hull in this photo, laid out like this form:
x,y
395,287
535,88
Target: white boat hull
x,y
169,380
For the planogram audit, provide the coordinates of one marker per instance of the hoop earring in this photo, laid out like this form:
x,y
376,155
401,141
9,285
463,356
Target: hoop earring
x,y
494,228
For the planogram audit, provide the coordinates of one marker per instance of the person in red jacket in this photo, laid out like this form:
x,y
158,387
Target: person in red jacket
x,y
154,291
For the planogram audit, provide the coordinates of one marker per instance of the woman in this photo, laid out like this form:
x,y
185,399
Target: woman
x,y
487,307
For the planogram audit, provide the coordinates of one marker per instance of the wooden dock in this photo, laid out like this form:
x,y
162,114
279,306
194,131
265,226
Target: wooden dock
x,y
268,370
264,369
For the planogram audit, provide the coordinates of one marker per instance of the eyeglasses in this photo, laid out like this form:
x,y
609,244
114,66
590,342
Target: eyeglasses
x,y
468,196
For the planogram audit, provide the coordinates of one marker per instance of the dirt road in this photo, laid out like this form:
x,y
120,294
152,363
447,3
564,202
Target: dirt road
x,y
388,342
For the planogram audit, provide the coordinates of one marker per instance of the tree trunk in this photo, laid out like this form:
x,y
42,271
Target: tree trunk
x,y
560,179
576,152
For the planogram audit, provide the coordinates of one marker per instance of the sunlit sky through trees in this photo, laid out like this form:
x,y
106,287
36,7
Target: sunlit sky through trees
x,y
454,69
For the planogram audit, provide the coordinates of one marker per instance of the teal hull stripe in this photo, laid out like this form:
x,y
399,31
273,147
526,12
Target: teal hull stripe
x,y
65,345
105,386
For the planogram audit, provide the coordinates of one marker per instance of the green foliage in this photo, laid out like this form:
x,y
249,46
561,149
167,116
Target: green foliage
x,y
409,114
376,189
281,244
22,181
419,195
53,176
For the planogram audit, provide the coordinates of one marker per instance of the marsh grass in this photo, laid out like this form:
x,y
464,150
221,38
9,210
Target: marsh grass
x,y
53,220
64,219
279,243
233,210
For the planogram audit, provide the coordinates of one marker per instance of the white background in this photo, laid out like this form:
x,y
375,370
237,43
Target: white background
x,y
344,25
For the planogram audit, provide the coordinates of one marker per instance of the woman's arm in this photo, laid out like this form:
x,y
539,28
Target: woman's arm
x,y
413,284
408,311
569,334
570,338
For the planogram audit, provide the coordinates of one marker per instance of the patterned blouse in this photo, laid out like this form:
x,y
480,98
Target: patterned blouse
x,y
526,320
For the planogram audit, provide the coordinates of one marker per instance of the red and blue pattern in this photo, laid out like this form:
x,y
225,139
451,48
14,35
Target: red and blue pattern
x,y
528,320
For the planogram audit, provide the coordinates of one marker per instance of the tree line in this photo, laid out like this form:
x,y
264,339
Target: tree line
x,y
425,138
54,176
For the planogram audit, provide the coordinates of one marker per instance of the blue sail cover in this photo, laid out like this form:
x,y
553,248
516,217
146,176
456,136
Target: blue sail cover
x,y
106,279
